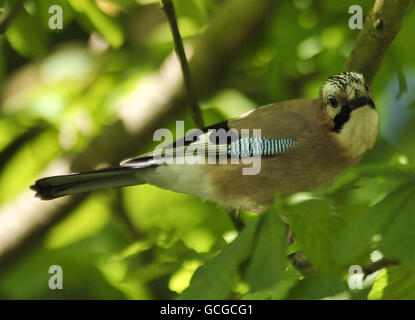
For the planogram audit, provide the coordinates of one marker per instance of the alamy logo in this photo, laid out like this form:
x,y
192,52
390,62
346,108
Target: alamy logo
x,y
356,276
356,20
56,280
56,20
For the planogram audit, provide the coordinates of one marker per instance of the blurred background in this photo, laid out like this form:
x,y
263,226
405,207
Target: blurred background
x,y
92,93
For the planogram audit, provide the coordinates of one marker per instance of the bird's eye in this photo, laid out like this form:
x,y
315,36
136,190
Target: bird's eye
x,y
333,102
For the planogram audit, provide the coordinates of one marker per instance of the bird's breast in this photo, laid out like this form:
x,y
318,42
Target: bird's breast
x,y
360,132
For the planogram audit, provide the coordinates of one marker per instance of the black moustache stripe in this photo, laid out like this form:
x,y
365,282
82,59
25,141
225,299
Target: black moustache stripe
x,y
341,118
344,115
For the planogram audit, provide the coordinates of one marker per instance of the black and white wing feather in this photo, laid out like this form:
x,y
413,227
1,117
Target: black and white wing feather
x,y
214,141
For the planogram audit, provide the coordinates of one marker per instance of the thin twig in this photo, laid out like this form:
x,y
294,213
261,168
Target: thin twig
x,y
375,266
191,93
9,16
302,264
122,213
196,112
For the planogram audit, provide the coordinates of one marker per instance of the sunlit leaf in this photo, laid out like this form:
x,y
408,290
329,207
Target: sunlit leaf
x,y
216,279
107,26
395,283
26,36
181,279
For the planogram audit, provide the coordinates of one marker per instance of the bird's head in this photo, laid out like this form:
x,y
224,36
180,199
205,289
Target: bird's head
x,y
351,112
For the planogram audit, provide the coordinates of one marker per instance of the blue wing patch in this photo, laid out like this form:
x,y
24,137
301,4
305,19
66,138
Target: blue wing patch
x,y
253,146
232,147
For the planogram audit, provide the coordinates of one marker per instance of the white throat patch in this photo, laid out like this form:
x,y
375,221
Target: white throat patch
x,y
359,133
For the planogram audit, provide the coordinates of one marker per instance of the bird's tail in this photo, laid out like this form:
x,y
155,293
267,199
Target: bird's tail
x,y
58,186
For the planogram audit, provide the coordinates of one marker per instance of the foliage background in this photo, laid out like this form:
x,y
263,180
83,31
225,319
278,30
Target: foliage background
x,y
61,88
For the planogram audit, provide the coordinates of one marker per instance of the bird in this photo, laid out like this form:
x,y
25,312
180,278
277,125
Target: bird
x,y
304,144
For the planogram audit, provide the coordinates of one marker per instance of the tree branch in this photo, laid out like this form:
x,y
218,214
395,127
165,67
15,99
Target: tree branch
x,y
196,113
380,29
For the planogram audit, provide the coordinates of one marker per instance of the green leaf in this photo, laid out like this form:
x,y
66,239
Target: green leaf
x,y
354,241
315,227
25,35
395,283
317,287
108,27
269,259
216,279
399,239
284,286
258,295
